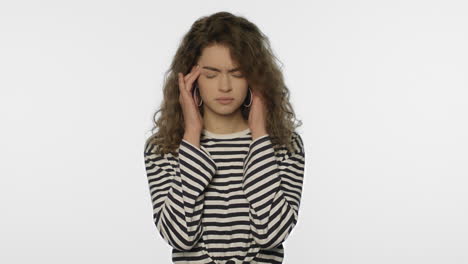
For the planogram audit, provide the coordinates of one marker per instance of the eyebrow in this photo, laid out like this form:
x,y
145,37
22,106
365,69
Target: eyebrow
x,y
218,70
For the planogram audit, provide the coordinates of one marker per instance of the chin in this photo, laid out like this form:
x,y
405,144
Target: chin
x,y
224,109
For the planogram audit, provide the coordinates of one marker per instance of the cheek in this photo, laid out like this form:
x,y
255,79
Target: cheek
x,y
206,88
240,82
205,82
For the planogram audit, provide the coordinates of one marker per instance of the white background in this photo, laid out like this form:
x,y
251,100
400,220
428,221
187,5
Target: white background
x,y
381,88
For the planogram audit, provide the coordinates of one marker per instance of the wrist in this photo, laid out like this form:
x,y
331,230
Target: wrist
x,y
193,137
257,134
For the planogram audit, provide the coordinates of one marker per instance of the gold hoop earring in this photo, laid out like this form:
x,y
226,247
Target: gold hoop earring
x,y
199,96
250,98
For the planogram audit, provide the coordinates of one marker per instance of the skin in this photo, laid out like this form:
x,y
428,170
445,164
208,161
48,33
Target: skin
x,y
216,76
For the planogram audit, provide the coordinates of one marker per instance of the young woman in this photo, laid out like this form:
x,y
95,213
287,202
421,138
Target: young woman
x,y
225,167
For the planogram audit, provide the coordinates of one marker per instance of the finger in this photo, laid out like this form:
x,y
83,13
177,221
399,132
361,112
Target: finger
x,y
254,96
192,71
191,80
181,82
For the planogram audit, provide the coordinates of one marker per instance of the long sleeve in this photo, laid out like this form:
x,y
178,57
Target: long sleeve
x,y
177,192
273,187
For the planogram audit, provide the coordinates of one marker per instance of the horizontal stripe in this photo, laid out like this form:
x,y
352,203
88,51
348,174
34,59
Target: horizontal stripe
x,y
229,199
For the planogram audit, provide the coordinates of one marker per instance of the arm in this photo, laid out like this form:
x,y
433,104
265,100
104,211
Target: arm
x,y
273,188
177,191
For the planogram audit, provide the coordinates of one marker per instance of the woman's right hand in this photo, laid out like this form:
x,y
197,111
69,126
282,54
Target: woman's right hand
x,y
192,117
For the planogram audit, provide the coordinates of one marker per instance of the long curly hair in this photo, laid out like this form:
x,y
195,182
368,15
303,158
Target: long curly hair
x,y
251,49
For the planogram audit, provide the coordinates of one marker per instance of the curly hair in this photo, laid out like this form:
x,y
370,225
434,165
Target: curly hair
x,y
251,49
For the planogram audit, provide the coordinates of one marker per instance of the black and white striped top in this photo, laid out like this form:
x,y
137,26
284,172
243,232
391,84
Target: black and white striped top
x,y
233,200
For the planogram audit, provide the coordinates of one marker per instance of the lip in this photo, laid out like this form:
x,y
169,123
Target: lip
x,y
225,100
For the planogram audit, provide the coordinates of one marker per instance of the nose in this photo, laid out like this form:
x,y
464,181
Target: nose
x,y
225,86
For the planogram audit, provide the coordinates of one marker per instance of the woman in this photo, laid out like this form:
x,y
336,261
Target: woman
x,y
225,168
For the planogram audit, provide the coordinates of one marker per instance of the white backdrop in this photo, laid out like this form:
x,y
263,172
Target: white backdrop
x,y
381,88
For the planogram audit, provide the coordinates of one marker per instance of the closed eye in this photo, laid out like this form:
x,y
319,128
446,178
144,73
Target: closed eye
x,y
237,76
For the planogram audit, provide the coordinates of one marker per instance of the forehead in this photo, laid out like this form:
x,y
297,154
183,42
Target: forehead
x,y
217,56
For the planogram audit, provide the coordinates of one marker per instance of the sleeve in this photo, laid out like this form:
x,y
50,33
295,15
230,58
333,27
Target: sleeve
x,y
177,192
273,188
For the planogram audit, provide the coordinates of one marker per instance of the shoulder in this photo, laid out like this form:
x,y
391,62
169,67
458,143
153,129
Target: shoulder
x,y
295,146
153,151
149,147
297,142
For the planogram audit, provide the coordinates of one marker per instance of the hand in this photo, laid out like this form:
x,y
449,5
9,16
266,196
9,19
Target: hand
x,y
192,117
257,116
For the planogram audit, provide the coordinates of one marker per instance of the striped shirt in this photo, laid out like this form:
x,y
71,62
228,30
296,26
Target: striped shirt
x,y
234,200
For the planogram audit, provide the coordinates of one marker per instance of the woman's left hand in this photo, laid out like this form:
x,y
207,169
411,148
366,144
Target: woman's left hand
x,y
257,116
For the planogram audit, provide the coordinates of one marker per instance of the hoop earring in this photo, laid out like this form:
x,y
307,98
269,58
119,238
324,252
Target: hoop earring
x,y
250,99
196,89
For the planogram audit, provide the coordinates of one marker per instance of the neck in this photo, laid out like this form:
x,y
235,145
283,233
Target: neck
x,y
224,124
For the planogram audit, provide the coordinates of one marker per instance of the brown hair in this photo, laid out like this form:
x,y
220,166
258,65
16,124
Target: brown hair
x,y
251,49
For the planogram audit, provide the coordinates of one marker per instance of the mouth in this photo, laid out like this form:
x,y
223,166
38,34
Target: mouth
x,y
225,100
